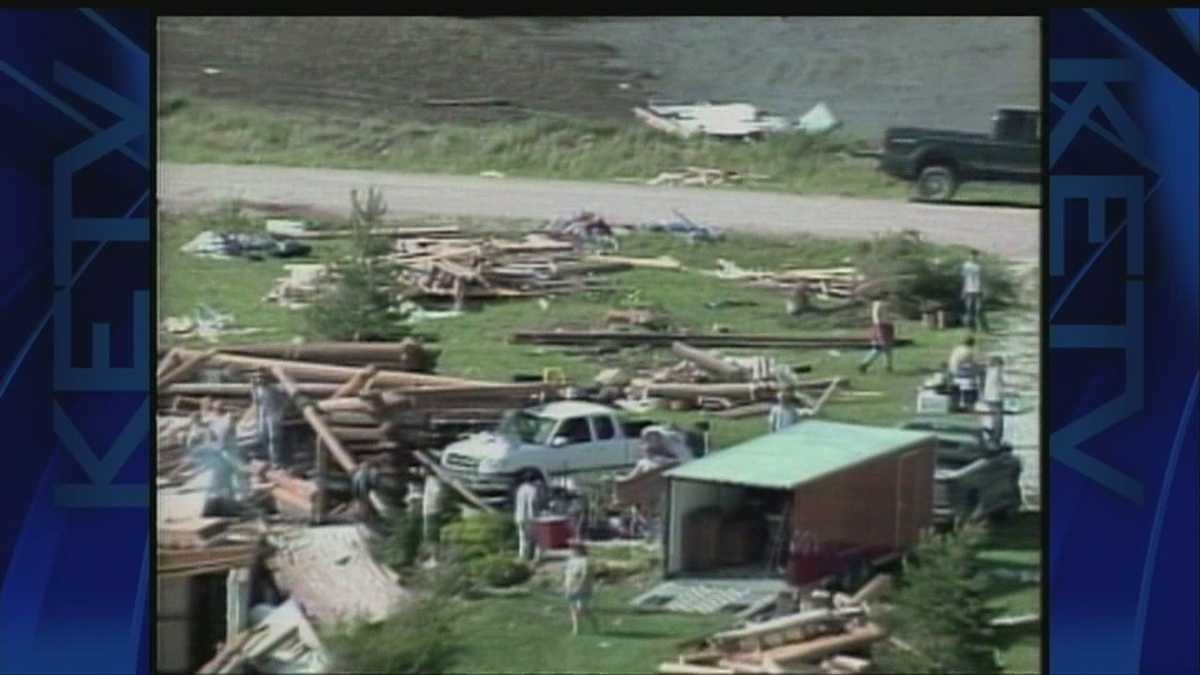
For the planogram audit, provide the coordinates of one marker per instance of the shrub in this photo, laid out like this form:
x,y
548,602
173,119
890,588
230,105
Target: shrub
x,y
358,308
498,570
402,541
418,639
479,536
914,274
940,610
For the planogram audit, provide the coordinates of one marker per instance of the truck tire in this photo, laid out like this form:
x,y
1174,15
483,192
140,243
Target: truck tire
x,y
936,183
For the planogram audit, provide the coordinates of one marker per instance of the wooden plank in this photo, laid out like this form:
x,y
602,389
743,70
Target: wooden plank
x,y
316,372
1021,620
314,419
458,102
661,263
821,647
825,396
741,412
877,587
709,362
453,482
189,361
692,669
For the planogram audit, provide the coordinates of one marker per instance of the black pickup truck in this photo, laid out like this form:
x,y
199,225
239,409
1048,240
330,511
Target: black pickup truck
x,y
938,162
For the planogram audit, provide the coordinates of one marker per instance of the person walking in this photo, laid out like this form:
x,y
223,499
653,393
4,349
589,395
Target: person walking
x,y
431,513
783,413
269,403
577,586
972,293
883,335
524,513
993,398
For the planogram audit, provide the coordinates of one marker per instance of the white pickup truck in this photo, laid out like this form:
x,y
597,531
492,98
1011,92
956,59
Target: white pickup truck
x,y
557,439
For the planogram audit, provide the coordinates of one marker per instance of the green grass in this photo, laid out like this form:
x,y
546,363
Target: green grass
x,y
1016,546
533,634
203,131
476,345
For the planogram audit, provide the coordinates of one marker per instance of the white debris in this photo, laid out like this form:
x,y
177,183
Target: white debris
x,y
819,120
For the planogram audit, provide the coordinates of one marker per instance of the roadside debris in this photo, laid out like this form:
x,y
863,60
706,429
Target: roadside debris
x,y
731,120
226,246
810,639
695,175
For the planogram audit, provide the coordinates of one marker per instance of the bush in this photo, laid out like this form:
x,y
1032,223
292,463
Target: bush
x,y
914,274
940,610
402,541
498,570
358,308
418,639
480,536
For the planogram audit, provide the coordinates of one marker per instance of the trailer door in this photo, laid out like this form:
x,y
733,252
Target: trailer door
x,y
907,523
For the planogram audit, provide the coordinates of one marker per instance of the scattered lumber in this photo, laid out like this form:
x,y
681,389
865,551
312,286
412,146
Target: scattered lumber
x,y
700,341
691,669
1019,620
467,102
660,263
854,639
314,419
319,372
406,355
878,586
709,362
453,482
396,232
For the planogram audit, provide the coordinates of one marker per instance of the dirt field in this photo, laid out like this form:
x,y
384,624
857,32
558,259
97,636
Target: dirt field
x,y
872,71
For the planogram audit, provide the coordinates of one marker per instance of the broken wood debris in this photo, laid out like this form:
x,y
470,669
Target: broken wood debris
x,y
566,338
808,641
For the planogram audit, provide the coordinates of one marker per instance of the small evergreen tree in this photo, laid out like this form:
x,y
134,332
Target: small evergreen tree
x,y
940,612
360,307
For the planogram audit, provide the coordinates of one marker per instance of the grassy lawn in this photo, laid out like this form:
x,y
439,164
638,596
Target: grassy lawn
x,y
531,634
477,345
204,131
1012,548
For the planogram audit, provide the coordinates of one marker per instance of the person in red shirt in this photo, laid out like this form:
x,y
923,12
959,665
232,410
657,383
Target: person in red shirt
x,y
883,335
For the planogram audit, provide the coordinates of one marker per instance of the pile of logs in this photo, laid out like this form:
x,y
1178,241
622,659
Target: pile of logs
x,y
830,636
346,410
479,268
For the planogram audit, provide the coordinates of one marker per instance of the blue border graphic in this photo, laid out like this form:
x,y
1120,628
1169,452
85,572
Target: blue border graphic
x,y
75,288
1123,366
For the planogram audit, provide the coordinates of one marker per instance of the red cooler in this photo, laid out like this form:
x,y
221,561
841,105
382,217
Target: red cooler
x,y
552,532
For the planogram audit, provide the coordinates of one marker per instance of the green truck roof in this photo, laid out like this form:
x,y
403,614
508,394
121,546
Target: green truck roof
x,y
798,454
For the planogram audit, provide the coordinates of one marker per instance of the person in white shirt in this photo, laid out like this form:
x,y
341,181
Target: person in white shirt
x,y
524,513
577,586
783,413
431,510
972,293
993,397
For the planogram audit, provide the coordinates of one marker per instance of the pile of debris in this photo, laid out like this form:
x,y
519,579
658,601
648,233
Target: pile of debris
x,y
353,409
828,283
485,268
696,175
731,120
820,634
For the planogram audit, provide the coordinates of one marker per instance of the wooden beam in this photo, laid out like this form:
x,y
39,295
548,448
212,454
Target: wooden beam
x,y
190,361
318,372
821,647
825,396
453,482
314,420
166,363
709,362
873,589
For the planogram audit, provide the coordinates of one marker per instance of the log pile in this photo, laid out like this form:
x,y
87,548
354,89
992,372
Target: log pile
x,y
478,268
831,635
346,412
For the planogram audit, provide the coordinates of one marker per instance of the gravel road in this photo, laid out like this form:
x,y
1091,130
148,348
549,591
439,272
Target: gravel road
x,y
1011,232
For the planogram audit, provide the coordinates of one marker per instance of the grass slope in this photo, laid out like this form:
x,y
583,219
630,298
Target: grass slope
x,y
205,131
